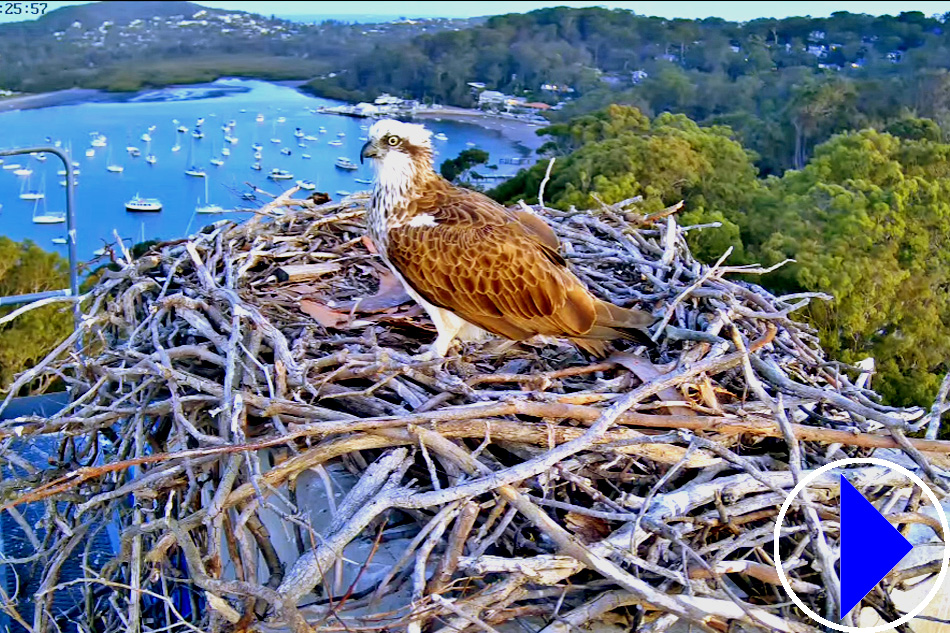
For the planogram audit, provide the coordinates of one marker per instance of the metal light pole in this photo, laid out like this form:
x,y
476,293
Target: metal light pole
x,y
73,290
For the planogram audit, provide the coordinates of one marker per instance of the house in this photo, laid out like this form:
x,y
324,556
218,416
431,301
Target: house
x,y
491,98
386,99
735,48
366,109
556,88
894,56
638,75
536,105
816,49
816,36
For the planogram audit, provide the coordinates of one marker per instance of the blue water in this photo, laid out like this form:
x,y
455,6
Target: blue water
x,y
101,195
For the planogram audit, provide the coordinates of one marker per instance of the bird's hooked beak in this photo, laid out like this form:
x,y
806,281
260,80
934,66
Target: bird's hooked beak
x,y
368,151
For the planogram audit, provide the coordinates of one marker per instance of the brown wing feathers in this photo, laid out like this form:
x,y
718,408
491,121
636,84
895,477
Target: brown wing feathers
x,y
500,270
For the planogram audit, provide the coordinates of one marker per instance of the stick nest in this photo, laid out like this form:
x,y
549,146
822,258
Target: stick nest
x,y
268,455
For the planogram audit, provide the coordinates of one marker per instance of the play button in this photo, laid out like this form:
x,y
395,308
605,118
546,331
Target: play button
x,y
870,547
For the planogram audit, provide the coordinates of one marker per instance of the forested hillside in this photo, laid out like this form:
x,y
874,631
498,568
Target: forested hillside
x,y
783,85
130,45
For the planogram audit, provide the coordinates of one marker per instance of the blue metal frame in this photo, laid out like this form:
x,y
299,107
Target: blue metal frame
x,y
73,290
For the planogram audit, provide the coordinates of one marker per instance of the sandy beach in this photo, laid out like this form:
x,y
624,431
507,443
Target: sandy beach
x,y
519,131
47,99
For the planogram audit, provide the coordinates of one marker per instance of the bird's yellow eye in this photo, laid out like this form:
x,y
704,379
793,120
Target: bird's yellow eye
x,y
392,140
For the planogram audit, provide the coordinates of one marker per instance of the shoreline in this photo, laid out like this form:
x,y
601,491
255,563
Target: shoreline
x,y
519,132
33,101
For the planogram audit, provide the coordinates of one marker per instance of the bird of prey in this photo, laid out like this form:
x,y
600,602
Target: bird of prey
x,y
475,266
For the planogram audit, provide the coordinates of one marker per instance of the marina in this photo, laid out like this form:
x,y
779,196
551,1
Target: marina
x,y
155,164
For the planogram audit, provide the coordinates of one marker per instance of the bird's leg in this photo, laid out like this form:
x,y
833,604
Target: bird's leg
x,y
447,325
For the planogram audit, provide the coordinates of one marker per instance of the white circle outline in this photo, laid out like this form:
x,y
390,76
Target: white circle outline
x,y
776,534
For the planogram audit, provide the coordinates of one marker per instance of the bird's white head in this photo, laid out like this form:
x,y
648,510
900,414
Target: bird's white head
x,y
401,154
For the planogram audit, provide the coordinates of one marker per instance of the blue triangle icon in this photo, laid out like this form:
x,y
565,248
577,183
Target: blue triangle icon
x,y
870,547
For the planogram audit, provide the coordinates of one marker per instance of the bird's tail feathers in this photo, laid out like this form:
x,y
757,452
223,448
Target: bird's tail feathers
x,y
612,323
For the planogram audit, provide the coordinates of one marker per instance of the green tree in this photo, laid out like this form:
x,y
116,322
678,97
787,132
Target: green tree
x,y
467,158
26,268
868,221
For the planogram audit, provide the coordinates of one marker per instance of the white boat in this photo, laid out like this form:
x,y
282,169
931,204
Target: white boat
x,y
133,150
345,163
12,166
176,147
197,172
322,130
364,127
280,174
217,162
98,141
60,240
232,123
311,137
259,118
298,133
182,129
207,207
275,141
151,159
231,139
199,122
363,181
146,137
285,151
99,252
341,134
343,192
90,152
23,171
47,217
257,147
256,166
440,137
28,193
305,156
470,144
306,184
281,119
303,145
363,138
62,172
38,156
115,169
225,151
257,155
140,204
198,134
62,183
335,143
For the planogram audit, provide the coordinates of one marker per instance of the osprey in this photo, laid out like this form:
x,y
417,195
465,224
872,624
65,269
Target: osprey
x,y
475,266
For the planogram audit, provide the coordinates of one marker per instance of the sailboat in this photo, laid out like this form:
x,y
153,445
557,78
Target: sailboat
x,y
194,170
114,168
47,217
149,156
26,193
207,207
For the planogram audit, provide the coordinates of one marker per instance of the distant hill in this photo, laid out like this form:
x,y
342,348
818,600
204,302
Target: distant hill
x,y
119,13
127,46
